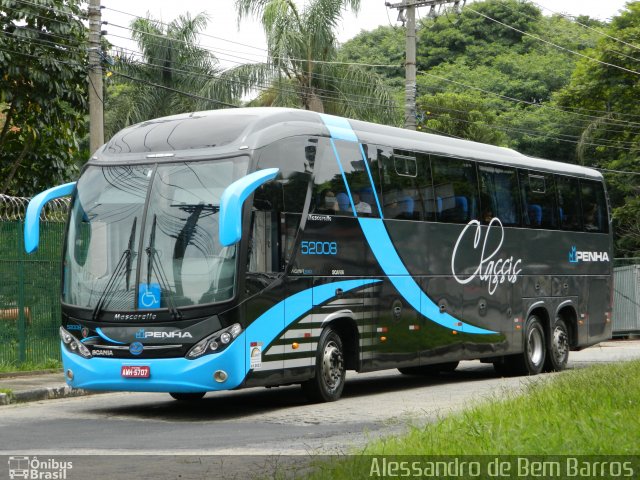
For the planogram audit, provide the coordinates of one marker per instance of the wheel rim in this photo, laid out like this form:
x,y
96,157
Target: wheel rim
x,y
332,366
536,346
560,344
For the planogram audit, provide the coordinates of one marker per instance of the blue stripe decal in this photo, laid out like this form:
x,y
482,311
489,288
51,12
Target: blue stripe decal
x,y
386,255
344,177
101,333
382,247
182,375
266,328
373,186
88,338
339,128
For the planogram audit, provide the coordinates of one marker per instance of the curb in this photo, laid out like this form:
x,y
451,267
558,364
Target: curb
x,y
38,394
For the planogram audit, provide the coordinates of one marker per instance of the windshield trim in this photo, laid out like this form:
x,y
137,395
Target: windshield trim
x,y
162,313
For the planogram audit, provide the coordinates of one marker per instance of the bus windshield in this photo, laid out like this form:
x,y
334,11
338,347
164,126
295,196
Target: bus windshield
x,y
146,237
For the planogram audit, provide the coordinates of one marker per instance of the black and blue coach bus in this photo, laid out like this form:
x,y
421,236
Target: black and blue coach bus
x,y
260,247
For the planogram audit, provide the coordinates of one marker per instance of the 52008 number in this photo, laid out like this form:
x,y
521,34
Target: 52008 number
x,y
318,248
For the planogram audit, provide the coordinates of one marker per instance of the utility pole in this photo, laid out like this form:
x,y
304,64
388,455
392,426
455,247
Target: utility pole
x,y
96,111
407,15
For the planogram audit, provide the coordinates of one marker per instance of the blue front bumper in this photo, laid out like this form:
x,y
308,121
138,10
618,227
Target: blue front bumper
x,y
167,374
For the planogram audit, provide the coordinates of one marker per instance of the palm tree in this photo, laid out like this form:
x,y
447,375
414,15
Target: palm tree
x,y
166,75
301,70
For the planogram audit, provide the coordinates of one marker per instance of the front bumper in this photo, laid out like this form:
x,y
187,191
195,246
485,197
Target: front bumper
x,y
167,374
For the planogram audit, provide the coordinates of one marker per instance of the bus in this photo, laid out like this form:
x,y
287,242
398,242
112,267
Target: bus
x,y
264,246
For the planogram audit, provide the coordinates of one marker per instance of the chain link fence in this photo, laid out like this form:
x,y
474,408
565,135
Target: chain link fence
x,y
30,284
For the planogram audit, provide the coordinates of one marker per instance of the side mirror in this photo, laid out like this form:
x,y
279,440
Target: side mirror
x,y
233,197
32,218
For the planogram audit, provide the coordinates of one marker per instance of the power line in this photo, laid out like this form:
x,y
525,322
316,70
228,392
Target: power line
x,y
599,32
175,90
540,105
553,44
531,132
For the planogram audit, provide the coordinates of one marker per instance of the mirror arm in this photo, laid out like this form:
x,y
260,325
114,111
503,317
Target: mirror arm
x,y
32,218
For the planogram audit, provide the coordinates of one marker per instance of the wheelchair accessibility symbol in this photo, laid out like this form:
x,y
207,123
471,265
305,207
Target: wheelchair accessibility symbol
x,y
149,295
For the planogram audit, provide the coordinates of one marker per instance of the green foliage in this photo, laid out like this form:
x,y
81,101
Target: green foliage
x,y
606,99
551,418
302,45
460,115
167,80
42,93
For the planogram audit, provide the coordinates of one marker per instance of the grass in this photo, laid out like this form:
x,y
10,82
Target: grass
x,y
49,364
592,411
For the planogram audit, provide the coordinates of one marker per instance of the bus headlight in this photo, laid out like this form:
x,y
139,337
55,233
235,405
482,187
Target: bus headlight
x,y
73,344
215,343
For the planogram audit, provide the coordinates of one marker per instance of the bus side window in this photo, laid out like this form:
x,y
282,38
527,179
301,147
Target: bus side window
x,y
331,195
401,173
594,207
499,194
456,189
568,203
539,208
282,200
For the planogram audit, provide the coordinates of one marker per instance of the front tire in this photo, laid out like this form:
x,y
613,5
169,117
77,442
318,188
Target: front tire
x,y
558,348
329,379
187,397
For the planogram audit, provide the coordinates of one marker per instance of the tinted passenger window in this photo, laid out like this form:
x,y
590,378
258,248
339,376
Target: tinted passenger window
x,y
594,207
499,194
330,192
538,200
568,203
403,174
456,191
295,157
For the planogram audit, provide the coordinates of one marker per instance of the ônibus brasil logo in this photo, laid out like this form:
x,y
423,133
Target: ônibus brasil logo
x,y
31,467
576,256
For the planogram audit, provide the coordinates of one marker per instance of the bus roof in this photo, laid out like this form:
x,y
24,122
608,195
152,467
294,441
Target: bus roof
x,y
226,131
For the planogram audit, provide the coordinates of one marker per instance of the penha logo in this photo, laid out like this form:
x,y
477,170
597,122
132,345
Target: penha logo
x,y
577,256
142,334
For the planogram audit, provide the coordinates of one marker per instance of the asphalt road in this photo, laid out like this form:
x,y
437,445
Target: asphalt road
x,y
276,421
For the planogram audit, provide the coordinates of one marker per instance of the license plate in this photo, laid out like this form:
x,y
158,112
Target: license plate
x,y
135,371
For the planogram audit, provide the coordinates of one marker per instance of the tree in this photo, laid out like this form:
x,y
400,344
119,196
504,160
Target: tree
x,y
42,93
605,97
301,45
166,77
460,115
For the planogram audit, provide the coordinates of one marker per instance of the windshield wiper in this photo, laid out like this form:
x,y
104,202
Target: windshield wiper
x,y
160,273
124,262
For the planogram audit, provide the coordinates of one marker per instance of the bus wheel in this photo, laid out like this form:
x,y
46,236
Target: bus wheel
x,y
531,361
187,397
328,382
558,348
